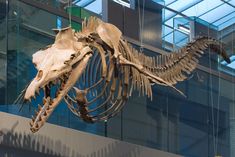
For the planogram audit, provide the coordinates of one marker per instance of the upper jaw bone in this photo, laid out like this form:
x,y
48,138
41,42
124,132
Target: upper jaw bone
x,y
50,105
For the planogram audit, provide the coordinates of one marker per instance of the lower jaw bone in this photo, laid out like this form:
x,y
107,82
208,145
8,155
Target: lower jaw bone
x,y
50,105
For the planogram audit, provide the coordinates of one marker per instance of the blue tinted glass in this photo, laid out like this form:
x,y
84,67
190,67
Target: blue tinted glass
x,y
183,5
227,23
167,14
84,3
170,22
201,8
95,7
232,64
232,2
169,38
204,10
180,6
59,23
166,30
166,2
180,38
219,12
224,18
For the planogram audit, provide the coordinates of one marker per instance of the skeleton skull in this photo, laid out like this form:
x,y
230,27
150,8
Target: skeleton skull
x,y
61,63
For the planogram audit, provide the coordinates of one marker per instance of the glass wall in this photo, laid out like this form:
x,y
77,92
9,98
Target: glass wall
x,y
27,33
198,125
3,50
202,124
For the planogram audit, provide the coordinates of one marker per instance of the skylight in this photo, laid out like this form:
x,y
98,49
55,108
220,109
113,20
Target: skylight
x,y
216,12
95,6
229,68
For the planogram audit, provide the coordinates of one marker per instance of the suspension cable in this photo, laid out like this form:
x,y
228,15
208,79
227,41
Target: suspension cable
x,y
211,95
70,13
141,23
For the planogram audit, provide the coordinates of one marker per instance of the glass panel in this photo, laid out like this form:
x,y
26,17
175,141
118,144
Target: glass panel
x,y
27,34
181,39
95,7
84,3
3,51
166,2
169,38
170,22
227,36
202,7
167,14
224,19
219,12
182,5
167,30
227,23
232,2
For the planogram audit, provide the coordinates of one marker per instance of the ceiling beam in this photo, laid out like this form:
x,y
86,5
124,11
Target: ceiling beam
x,y
228,3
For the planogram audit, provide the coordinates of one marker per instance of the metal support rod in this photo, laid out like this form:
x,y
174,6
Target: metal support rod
x,y
6,84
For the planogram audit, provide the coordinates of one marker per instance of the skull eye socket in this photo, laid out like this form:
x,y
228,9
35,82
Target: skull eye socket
x,y
39,75
72,56
66,62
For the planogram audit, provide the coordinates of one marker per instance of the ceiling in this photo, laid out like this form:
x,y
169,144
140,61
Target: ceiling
x,y
95,6
218,13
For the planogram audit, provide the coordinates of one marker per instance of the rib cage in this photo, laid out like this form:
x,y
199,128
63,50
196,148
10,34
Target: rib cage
x,y
105,93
